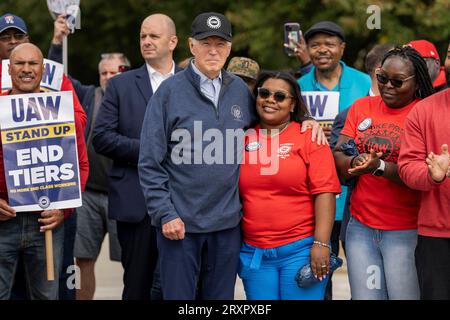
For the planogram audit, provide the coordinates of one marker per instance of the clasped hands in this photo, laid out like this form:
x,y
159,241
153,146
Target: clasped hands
x,y
365,163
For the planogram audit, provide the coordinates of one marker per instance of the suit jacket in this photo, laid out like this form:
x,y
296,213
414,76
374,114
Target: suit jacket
x,y
116,135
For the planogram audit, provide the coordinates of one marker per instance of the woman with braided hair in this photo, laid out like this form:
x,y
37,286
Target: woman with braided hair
x,y
382,232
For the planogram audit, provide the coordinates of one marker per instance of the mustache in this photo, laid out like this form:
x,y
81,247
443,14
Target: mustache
x,y
26,74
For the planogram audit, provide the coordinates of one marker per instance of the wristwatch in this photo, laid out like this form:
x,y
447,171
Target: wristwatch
x,y
380,170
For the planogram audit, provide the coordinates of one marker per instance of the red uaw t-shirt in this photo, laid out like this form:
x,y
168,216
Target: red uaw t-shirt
x,y
279,177
376,201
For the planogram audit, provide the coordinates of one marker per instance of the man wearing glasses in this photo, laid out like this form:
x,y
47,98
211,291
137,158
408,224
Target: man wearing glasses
x,y
13,31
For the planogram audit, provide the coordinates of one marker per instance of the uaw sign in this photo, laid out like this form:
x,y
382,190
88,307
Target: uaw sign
x,y
40,151
322,105
51,79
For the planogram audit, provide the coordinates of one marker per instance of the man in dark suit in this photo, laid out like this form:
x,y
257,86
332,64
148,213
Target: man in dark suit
x,y
116,135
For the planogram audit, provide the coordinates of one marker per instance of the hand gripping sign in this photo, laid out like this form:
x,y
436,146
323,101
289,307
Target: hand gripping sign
x,y
40,154
71,8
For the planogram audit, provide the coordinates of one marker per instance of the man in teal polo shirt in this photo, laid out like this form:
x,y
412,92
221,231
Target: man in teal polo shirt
x,y
326,43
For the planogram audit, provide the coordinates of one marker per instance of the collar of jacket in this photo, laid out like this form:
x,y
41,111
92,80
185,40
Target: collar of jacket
x,y
195,78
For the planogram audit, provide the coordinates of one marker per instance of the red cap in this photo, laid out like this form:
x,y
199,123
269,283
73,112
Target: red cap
x,y
440,80
425,48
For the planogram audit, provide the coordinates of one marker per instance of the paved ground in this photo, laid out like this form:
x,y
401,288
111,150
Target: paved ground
x,y
109,280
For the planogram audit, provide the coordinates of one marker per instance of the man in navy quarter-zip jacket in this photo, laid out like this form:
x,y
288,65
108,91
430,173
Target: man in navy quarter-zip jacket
x,y
193,200
189,167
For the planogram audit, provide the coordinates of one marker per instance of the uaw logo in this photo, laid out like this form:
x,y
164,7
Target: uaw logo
x,y
284,149
44,202
9,19
214,22
236,112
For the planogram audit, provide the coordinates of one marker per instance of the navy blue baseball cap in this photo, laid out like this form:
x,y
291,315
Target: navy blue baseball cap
x,y
8,21
210,24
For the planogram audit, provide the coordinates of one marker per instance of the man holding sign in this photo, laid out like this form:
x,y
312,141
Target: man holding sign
x,y
329,88
13,32
21,233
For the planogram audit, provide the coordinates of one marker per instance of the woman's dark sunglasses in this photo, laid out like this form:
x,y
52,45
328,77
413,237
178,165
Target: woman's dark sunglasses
x,y
398,83
278,96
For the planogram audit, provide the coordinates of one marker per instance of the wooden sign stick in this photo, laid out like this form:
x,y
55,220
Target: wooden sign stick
x,y
49,255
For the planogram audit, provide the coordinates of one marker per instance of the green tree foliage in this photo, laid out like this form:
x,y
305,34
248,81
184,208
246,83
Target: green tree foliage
x,y
110,26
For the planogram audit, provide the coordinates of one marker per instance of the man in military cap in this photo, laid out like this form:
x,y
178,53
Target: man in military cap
x,y
245,68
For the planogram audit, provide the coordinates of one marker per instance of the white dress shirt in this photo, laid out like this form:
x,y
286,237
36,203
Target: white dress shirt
x,y
156,78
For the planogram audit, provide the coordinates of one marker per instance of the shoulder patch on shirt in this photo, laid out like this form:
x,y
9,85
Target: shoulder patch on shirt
x,y
365,124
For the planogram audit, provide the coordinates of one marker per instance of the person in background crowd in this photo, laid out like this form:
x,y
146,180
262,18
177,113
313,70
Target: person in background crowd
x,y
184,63
424,165
288,215
26,69
430,54
325,41
92,218
382,231
116,135
447,67
245,68
14,31
373,62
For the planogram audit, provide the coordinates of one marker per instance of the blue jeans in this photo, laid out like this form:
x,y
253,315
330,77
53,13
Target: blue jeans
x,y
381,263
21,236
269,274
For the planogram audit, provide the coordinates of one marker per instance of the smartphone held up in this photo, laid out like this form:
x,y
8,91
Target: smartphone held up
x,y
292,34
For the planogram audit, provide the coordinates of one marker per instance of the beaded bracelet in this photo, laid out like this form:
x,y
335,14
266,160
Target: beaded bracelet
x,y
322,244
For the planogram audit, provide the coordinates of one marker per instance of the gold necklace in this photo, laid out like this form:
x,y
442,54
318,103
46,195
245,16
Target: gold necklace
x,y
279,131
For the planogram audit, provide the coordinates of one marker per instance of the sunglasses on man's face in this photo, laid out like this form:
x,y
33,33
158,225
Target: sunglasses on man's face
x,y
278,96
17,36
397,83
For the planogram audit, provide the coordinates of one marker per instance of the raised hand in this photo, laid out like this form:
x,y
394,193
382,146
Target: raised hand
x,y
439,165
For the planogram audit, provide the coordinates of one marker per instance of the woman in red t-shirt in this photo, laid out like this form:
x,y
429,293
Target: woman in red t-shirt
x,y
287,185
382,232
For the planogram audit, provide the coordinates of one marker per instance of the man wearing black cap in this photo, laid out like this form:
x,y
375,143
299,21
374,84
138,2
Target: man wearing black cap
x,y
326,44
194,204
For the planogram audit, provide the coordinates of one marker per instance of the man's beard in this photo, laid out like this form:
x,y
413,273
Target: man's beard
x,y
329,70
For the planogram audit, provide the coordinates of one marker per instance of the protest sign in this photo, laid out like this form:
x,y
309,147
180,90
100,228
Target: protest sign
x,y
52,77
40,151
323,105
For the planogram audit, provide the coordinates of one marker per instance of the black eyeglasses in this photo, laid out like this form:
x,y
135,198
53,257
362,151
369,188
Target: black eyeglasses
x,y
17,36
279,96
398,83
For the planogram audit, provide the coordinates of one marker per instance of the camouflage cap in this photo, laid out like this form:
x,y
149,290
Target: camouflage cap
x,y
243,67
